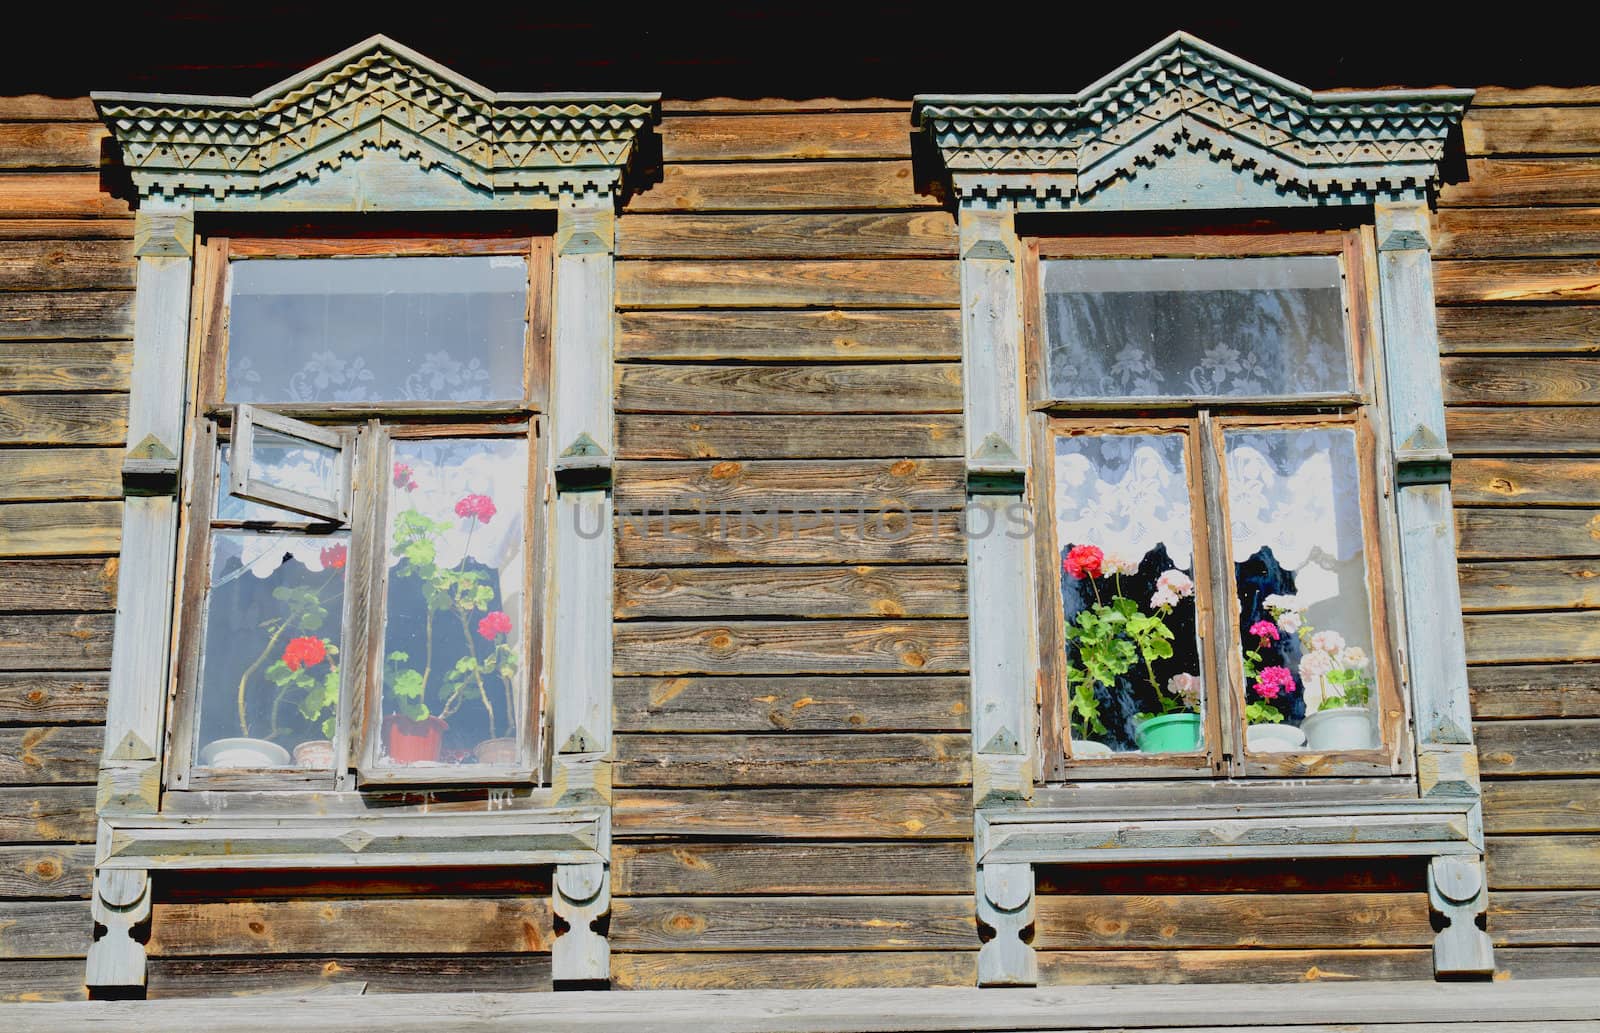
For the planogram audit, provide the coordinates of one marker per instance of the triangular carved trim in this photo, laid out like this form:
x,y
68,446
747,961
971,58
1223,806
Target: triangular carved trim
x,y
1294,146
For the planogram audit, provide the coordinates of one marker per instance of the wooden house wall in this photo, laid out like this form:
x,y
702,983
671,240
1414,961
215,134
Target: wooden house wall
x,y
1518,285
793,799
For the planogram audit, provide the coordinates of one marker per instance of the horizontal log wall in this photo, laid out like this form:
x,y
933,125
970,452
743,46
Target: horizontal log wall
x,y
793,802
1518,278
66,322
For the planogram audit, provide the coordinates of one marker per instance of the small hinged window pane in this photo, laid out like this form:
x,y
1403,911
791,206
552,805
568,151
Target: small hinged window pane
x,y
277,461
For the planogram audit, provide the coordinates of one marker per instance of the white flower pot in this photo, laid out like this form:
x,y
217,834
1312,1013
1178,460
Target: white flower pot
x,y
1086,748
1343,728
1273,738
239,752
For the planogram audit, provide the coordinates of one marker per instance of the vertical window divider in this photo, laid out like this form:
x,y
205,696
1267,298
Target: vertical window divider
x,y
1228,758
365,665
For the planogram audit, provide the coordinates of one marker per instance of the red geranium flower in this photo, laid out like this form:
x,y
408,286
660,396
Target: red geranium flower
x,y
1083,561
403,478
304,652
496,623
480,506
333,556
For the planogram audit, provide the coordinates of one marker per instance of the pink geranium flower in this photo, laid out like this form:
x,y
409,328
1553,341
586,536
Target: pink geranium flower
x,y
1265,630
403,477
479,506
1273,682
496,623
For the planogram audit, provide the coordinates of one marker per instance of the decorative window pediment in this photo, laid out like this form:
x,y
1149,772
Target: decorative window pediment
x,y
1186,124
378,126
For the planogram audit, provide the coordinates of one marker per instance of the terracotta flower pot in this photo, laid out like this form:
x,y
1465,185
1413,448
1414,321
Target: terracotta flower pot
x,y
501,753
316,754
413,742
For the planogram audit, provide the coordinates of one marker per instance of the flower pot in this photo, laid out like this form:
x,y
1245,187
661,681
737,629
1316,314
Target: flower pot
x,y
502,753
1273,738
1169,733
1082,748
316,754
1343,728
413,742
240,752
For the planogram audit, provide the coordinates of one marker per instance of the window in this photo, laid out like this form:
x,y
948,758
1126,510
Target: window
x,y
1211,598
362,574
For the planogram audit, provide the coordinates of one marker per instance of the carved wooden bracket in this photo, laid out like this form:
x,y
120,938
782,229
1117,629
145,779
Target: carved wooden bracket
x,y
1456,892
1005,905
582,901
121,907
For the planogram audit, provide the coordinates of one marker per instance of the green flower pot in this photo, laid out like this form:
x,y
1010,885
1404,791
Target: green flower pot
x,y
1170,733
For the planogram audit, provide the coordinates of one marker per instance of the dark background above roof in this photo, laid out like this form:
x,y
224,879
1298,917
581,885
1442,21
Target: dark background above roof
x,y
821,48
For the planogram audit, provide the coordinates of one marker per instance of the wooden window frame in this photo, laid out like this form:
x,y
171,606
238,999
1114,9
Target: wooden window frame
x,y
371,428
1203,421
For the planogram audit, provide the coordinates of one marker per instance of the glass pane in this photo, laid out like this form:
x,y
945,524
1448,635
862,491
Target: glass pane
x,y
454,638
231,507
294,464
269,667
446,329
1125,531
1301,568
1188,327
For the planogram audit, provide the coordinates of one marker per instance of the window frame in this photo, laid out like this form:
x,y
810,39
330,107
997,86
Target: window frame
x,y
371,429
1203,421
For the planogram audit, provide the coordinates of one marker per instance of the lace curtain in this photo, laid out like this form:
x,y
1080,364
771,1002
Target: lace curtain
x,y
1126,493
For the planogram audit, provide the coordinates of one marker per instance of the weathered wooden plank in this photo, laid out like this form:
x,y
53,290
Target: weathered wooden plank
x,y
791,704
750,970
789,136
208,887
46,872
841,283
793,923
1530,585
1077,922
774,336
810,758
1517,329
60,528
1536,690
1561,430
51,145
1524,380
50,315
662,869
779,235
55,195
66,229
169,978
60,474
643,436
50,755
859,486
55,642
1516,232
1487,534
65,264
44,929
352,926
1512,96
47,814
756,538
1571,130
1555,279
66,365
789,185
878,813
1532,637
1526,482
1546,962
924,387
765,105
1542,805
1114,967
63,585
1543,862
1559,919
38,107
903,591
40,981
52,698
1499,182
1307,876
792,647
1569,747
63,419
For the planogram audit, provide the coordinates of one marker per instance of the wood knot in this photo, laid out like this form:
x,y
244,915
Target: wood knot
x,y
913,659
258,928
37,696
904,468
725,470
47,868
681,923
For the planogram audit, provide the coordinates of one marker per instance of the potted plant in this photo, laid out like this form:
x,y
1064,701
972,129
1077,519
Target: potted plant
x,y
1111,636
1334,679
1265,729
